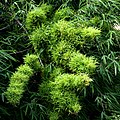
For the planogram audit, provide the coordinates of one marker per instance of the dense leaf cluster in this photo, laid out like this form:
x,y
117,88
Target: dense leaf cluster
x,y
72,67
62,38
20,78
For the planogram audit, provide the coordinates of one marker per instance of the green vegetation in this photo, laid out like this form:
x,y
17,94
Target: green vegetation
x,y
20,79
59,60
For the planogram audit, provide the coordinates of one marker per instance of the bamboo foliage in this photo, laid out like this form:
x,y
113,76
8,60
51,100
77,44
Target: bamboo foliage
x,y
71,69
20,78
60,39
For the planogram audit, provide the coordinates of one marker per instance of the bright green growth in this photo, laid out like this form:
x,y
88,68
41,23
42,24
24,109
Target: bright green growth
x,y
64,13
69,32
20,78
79,63
46,8
90,32
17,84
66,101
61,53
40,37
49,36
32,61
71,81
25,69
61,91
45,87
56,72
36,17
59,40
14,93
62,26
